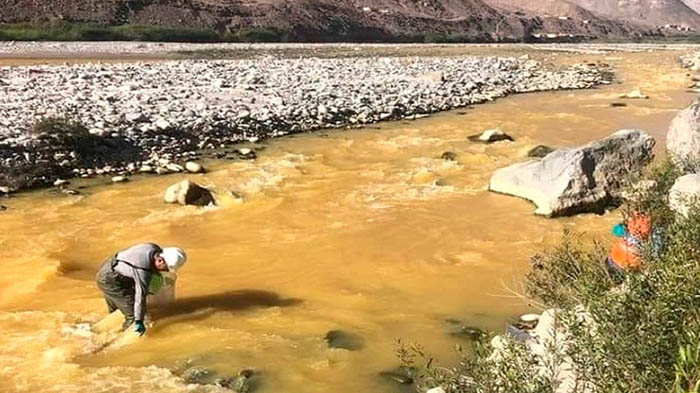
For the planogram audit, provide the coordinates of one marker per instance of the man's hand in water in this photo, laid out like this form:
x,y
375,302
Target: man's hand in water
x,y
139,328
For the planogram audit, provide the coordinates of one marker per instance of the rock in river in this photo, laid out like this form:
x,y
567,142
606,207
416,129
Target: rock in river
x,y
585,179
457,328
194,167
635,94
120,179
245,382
402,375
449,156
539,151
188,193
490,136
344,340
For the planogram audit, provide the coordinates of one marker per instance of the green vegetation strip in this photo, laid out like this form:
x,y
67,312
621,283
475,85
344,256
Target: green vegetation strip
x,y
66,31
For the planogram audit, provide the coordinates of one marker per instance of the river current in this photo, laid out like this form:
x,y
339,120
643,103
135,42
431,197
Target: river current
x,y
368,231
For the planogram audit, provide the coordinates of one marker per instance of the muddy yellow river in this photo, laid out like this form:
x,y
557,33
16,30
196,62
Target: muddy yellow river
x,y
366,231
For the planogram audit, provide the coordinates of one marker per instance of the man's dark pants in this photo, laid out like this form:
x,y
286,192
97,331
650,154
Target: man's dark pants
x,y
118,291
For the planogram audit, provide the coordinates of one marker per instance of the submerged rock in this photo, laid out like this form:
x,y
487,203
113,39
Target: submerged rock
x,y
490,136
635,94
585,179
247,154
70,191
539,151
188,193
449,156
344,340
457,328
245,382
197,375
402,375
618,104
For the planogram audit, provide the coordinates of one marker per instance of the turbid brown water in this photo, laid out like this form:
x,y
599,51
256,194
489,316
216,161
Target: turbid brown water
x,y
367,231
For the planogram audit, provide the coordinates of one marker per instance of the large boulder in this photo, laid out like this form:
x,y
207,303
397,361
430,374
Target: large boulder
x,y
685,193
188,193
683,138
584,179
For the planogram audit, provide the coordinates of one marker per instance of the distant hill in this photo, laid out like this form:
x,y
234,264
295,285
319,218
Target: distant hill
x,y
379,20
651,12
693,4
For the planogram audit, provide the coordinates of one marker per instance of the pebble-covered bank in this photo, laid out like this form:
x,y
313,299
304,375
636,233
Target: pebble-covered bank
x,y
158,112
24,48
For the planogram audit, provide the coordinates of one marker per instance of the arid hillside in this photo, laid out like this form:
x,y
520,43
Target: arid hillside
x,y
380,20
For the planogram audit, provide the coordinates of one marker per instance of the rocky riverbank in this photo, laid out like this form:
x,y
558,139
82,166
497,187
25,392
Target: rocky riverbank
x,y
156,113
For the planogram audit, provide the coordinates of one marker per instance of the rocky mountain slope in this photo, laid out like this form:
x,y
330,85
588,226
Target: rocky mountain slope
x,y
693,4
379,20
651,12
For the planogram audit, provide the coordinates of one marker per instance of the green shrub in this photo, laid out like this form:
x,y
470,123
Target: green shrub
x,y
60,30
62,132
256,34
642,334
445,38
155,33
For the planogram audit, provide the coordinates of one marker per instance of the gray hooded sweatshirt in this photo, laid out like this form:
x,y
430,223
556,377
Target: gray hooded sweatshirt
x,y
136,262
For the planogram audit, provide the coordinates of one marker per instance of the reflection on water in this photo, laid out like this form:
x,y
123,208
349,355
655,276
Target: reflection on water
x,y
365,231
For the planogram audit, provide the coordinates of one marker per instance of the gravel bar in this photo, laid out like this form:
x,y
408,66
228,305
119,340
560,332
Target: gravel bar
x,y
161,112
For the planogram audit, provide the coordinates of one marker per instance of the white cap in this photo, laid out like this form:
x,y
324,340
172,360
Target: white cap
x,y
174,257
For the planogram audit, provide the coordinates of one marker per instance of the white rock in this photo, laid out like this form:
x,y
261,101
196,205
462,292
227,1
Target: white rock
x,y
683,138
684,194
162,124
120,179
194,167
146,169
245,151
490,136
188,193
4,190
438,389
529,317
635,94
60,182
136,117
584,179
172,167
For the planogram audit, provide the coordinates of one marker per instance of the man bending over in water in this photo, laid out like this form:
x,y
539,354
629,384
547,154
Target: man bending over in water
x,y
125,278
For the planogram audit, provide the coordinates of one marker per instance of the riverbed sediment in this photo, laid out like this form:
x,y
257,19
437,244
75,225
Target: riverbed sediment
x,y
164,111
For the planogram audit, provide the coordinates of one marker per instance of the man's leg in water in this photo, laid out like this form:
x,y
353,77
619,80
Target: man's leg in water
x,y
118,293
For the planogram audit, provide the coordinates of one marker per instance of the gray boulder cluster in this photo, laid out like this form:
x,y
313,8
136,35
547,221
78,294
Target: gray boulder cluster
x,y
163,111
584,179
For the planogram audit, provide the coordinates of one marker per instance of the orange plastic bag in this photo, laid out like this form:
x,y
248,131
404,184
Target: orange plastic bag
x,y
625,255
639,226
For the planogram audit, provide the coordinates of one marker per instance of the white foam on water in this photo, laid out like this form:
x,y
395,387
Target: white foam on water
x,y
49,341
256,178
